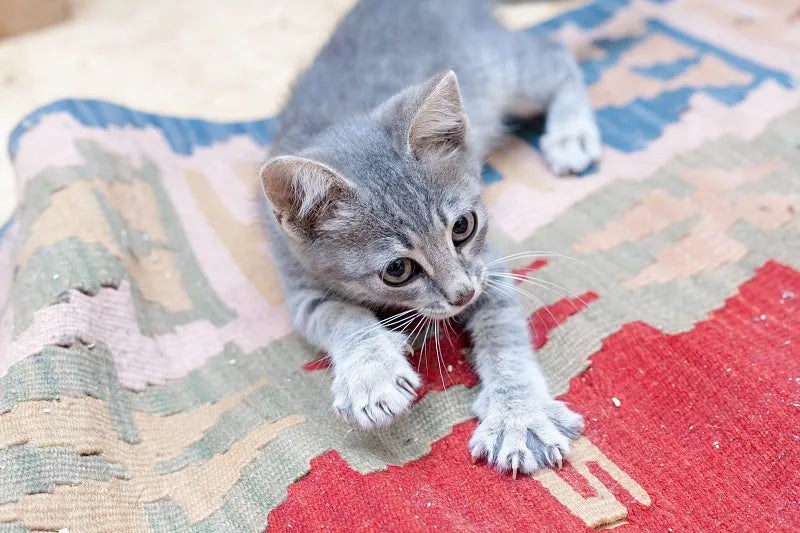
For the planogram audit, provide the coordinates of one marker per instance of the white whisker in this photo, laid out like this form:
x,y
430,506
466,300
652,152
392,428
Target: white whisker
x,y
399,321
440,362
521,255
495,285
547,285
544,253
583,334
423,352
533,297
450,332
439,357
415,333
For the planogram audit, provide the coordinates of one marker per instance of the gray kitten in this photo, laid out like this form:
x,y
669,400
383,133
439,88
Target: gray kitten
x,y
376,193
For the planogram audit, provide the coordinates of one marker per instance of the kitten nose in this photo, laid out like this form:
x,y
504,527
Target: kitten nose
x,y
463,297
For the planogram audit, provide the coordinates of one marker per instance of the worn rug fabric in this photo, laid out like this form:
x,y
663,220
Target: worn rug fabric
x,y
150,379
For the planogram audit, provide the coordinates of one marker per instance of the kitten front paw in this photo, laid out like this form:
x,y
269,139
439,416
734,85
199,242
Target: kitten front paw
x,y
377,386
571,146
523,434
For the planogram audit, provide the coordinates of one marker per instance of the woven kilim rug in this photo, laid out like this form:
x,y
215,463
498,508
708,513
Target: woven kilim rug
x,y
150,378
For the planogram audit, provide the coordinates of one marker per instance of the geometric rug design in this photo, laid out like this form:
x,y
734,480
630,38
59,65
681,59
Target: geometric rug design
x,y
150,379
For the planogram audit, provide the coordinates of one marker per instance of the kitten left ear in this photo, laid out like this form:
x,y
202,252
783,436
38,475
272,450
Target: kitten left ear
x,y
439,126
303,193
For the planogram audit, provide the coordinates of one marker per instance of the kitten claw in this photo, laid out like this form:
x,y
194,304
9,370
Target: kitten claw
x,y
369,416
404,384
473,459
386,409
514,465
557,455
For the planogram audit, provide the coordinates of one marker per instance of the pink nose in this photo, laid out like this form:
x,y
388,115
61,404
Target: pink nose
x,y
464,297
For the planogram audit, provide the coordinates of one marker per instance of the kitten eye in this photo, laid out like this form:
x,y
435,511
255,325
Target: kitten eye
x,y
399,271
464,227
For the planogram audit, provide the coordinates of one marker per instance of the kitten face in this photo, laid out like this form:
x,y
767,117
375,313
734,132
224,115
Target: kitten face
x,y
386,207
417,245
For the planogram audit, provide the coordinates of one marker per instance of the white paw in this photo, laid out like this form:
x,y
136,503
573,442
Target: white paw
x,y
377,384
523,434
571,146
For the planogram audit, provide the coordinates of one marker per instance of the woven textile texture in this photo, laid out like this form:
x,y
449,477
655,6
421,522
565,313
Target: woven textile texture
x,y
150,378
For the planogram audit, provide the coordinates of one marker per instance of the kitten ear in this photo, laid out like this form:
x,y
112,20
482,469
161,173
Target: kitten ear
x,y
439,126
303,193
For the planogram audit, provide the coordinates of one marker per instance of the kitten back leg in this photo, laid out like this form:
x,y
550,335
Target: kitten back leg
x,y
550,79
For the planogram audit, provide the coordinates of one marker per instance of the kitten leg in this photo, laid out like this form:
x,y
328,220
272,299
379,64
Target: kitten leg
x,y
521,426
372,378
549,77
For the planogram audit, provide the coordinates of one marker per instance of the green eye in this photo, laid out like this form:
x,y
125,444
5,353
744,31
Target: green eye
x,y
399,271
464,227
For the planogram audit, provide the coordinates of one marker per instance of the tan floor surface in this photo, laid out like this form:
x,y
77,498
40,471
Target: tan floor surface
x,y
204,58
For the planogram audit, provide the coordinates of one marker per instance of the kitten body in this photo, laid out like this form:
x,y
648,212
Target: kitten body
x,y
374,184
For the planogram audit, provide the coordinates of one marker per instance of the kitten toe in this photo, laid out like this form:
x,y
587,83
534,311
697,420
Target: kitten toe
x,y
407,387
481,445
514,465
592,144
568,422
555,457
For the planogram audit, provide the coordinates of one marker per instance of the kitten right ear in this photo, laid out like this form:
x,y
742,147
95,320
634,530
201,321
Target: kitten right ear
x,y
303,193
439,126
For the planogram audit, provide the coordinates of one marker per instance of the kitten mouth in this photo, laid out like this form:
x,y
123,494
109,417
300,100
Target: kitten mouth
x,y
441,315
445,310
452,310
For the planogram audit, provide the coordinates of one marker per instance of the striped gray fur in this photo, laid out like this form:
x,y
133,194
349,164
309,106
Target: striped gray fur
x,y
377,156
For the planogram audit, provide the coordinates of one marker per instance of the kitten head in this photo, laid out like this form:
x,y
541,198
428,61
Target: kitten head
x,y
385,208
